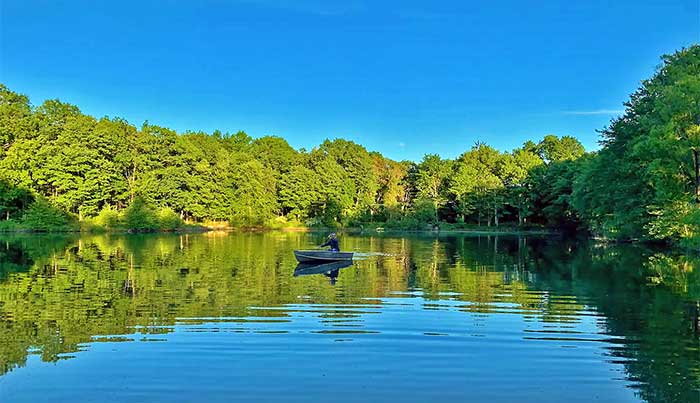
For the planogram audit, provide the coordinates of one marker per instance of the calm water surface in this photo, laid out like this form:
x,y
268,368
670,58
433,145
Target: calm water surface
x,y
222,317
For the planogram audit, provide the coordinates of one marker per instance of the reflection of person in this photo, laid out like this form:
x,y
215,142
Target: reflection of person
x,y
332,276
332,242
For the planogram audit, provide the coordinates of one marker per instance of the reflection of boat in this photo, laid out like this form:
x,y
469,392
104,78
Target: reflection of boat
x,y
320,256
303,269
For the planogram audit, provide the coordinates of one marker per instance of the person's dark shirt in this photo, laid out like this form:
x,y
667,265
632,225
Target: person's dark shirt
x,y
333,243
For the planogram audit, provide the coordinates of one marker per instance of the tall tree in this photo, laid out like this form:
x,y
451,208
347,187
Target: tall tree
x,y
431,179
642,184
555,149
255,199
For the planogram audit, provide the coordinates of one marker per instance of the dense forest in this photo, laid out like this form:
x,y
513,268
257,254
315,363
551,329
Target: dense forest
x,y
61,168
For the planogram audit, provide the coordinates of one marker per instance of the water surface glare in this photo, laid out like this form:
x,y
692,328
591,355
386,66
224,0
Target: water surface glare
x,y
225,317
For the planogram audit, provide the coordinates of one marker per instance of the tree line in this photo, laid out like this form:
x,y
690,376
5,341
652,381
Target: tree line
x,y
61,166
55,156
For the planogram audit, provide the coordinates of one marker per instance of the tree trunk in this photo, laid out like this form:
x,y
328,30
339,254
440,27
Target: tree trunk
x,y
436,212
495,214
697,176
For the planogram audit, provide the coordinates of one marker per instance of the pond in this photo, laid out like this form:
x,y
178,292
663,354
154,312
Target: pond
x,y
223,317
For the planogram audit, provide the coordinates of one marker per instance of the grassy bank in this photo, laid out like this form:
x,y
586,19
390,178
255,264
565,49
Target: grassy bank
x,y
42,216
119,226
13,226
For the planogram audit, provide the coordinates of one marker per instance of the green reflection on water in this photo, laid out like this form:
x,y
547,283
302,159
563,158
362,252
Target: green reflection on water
x,y
58,293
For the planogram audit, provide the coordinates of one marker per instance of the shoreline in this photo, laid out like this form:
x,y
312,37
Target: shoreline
x,y
350,230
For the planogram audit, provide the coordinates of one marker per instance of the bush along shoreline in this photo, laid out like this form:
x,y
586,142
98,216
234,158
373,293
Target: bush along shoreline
x,y
41,216
139,217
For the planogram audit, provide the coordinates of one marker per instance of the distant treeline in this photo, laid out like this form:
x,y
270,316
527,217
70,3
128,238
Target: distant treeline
x,y
60,167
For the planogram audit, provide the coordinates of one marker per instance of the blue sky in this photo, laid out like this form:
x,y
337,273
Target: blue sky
x,y
401,77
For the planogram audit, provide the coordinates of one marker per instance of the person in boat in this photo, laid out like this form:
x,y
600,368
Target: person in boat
x,y
332,242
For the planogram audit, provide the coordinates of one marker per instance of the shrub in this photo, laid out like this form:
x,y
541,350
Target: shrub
x,y
9,226
139,216
282,223
107,218
423,211
407,223
168,219
42,216
690,237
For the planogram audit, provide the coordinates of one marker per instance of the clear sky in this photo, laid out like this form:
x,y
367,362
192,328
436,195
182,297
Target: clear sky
x,y
401,77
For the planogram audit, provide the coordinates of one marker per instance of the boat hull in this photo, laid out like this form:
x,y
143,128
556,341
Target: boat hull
x,y
320,256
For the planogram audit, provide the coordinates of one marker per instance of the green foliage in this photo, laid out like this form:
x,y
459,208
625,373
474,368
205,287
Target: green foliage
x,y
638,186
10,226
94,169
299,189
13,200
432,180
680,221
391,186
43,216
275,153
168,219
423,211
555,149
107,218
139,216
552,187
254,200
690,223
478,182
282,222
16,120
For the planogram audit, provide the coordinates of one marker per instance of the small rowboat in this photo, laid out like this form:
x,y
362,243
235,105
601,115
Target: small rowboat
x,y
320,256
304,269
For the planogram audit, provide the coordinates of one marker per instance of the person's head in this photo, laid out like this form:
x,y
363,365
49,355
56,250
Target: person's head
x,y
331,235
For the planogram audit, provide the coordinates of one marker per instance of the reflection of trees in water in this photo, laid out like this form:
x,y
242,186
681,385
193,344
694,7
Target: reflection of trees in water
x,y
106,285
644,296
63,293
649,298
18,253
13,259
